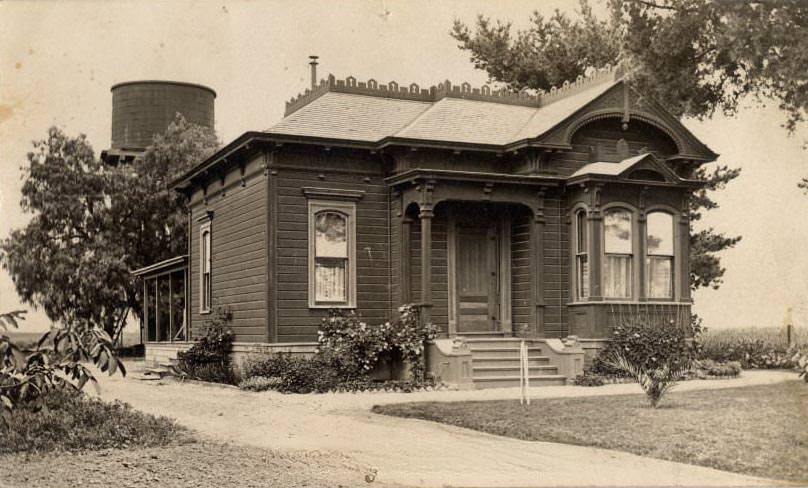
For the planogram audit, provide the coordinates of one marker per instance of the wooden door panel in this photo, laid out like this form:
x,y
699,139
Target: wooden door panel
x,y
476,277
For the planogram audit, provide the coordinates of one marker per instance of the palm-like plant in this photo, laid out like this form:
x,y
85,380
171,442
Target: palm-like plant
x,y
655,382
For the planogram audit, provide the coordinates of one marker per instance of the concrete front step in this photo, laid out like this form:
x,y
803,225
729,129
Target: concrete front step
x,y
532,360
510,371
499,352
510,381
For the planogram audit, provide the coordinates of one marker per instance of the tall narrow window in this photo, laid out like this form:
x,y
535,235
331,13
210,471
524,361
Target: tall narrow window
x,y
205,265
618,247
659,262
332,267
581,255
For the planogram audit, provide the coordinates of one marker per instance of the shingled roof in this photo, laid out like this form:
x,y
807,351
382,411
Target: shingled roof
x,y
369,112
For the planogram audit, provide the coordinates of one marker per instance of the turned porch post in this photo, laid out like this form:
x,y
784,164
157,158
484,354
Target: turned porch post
x,y
642,247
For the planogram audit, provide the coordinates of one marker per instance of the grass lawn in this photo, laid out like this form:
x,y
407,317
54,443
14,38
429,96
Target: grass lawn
x,y
760,430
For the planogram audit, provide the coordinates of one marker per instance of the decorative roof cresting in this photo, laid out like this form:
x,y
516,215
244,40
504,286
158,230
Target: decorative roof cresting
x,y
446,89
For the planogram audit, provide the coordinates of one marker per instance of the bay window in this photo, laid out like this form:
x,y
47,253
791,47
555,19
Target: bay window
x,y
618,253
659,259
332,275
581,256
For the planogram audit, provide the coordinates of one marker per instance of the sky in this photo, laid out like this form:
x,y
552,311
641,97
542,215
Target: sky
x,y
58,61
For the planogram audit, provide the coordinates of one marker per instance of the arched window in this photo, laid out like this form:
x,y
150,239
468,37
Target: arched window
x,y
659,260
618,249
581,256
332,237
331,257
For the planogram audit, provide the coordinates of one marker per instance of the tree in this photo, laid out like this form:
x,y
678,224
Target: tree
x,y
57,362
693,56
92,224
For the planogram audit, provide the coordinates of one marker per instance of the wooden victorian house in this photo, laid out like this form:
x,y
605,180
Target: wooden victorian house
x,y
503,216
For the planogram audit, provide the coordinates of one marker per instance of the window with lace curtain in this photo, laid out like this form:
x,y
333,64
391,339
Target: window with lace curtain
x,y
660,254
332,275
618,253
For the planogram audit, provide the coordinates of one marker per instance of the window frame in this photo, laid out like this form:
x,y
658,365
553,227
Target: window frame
x,y
205,258
347,209
672,258
632,256
580,292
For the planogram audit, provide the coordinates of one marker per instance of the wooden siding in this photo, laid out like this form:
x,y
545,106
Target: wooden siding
x,y
556,268
238,252
296,322
602,136
521,273
440,276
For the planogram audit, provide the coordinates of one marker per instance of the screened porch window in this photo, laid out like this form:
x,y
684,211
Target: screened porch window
x,y
332,275
581,255
659,261
618,247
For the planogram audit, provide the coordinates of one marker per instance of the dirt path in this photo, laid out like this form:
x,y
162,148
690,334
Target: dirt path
x,y
414,452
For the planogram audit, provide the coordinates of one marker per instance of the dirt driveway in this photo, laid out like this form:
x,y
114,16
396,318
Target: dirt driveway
x,y
414,452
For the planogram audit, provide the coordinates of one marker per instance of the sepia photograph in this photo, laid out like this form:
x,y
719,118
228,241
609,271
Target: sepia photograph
x,y
403,244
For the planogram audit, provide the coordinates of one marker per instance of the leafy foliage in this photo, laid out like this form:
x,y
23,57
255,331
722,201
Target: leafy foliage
x,y
92,223
57,363
647,345
68,420
693,56
292,374
588,378
655,381
703,368
355,347
349,350
209,358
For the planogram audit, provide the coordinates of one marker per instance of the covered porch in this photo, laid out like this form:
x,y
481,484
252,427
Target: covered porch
x,y
165,295
472,251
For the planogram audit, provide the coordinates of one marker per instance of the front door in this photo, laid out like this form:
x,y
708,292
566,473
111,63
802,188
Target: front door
x,y
477,275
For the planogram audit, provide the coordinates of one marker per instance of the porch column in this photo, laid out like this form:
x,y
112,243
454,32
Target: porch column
x,y
406,249
426,215
537,263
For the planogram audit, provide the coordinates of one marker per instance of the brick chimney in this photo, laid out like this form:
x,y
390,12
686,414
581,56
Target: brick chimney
x,y
313,64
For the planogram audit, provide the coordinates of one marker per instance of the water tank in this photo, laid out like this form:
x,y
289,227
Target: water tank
x,y
141,109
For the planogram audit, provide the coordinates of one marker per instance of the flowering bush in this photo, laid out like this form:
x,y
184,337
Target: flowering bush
x,y
355,347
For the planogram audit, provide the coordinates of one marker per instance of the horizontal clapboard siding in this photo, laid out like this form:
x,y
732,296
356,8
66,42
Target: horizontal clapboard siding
x,y
295,321
556,268
238,252
521,274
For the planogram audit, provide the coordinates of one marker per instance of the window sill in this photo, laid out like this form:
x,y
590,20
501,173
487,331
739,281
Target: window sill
x,y
327,306
205,312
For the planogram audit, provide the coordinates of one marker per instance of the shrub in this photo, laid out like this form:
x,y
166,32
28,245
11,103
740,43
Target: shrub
x,y
68,420
589,379
800,360
703,368
355,348
209,358
292,374
655,380
645,346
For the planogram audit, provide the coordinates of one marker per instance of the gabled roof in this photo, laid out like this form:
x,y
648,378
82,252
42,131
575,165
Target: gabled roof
x,y
625,169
